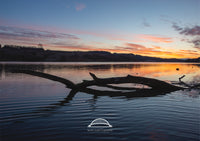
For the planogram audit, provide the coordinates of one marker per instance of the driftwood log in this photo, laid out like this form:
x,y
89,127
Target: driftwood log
x,y
155,87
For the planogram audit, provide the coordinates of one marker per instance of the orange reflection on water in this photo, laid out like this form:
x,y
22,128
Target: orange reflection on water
x,y
163,71
169,71
77,72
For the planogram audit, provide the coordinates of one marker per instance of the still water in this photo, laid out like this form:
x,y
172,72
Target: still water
x,y
33,108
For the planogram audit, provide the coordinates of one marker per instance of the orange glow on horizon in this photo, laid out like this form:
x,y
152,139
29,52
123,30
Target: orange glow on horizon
x,y
65,40
151,52
154,51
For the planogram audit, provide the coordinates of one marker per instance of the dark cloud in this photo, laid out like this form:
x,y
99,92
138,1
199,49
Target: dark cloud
x,y
176,27
192,31
145,23
12,32
196,43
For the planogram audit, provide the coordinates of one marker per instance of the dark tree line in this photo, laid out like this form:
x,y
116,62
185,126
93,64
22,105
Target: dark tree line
x,y
24,53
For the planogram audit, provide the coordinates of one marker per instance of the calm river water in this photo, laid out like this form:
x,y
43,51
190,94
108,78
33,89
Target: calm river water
x,y
34,108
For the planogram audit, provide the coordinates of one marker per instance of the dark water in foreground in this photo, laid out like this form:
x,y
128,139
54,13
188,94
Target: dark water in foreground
x,y
31,109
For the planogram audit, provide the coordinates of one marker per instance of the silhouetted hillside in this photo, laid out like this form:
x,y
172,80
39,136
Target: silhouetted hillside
x,y
21,53
193,60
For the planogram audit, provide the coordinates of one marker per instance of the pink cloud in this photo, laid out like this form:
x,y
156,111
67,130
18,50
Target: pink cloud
x,y
79,6
110,36
157,47
156,52
155,38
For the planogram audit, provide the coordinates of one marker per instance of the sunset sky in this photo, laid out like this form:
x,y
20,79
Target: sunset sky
x,y
158,28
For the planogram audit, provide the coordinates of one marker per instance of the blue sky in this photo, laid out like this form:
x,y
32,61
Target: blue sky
x,y
162,28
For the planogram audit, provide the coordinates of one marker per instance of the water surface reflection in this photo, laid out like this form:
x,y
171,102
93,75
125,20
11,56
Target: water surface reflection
x,y
34,108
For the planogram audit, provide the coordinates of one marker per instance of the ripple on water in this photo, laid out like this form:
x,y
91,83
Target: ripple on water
x,y
42,113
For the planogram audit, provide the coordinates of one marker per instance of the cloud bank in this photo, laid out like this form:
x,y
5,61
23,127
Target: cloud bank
x,y
7,32
18,35
193,33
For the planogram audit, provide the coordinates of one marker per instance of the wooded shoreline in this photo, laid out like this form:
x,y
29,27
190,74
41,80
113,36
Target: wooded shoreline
x,y
38,54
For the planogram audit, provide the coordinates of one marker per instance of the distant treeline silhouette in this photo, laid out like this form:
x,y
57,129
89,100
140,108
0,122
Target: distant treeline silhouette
x,y
32,53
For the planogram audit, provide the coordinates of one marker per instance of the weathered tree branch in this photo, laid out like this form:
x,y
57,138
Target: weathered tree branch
x,y
153,83
68,83
157,87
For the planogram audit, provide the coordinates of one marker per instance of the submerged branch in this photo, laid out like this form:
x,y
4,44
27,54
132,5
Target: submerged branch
x,y
153,83
157,87
68,83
